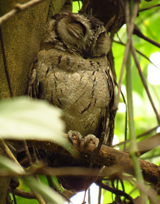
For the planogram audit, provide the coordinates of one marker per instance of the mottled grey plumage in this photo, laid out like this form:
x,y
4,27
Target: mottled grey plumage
x,y
73,73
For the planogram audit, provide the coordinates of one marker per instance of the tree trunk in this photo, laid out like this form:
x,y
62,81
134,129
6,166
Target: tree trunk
x,y
21,37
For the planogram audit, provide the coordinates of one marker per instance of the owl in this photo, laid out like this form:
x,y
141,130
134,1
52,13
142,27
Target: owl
x,y
72,72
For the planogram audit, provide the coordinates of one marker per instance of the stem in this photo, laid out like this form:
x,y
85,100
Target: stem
x,y
129,37
133,144
133,147
130,104
9,153
145,84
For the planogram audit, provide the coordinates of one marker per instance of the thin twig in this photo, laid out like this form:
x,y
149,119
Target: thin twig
x,y
14,198
27,153
84,197
115,191
150,157
113,159
19,8
99,195
150,193
9,153
39,198
37,195
5,63
140,10
11,156
133,146
131,28
147,132
144,83
141,35
13,195
24,194
147,58
126,116
89,196
138,136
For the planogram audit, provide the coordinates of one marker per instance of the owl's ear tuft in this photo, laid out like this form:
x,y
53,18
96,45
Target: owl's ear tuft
x,y
76,29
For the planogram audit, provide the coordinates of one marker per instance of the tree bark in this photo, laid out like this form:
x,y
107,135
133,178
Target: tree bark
x,y
115,161
4,184
21,37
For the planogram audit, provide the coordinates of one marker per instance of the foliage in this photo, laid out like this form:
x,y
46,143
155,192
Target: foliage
x,y
21,118
143,111
30,117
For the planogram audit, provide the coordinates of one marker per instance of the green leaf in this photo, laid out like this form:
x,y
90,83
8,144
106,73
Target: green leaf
x,y
10,166
46,192
23,118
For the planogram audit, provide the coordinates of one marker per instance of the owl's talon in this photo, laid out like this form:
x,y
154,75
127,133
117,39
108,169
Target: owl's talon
x,y
72,134
90,138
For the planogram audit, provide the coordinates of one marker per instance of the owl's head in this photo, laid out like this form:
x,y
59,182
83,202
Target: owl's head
x,y
79,33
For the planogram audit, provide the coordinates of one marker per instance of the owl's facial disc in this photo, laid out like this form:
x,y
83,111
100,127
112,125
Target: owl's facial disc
x,y
83,34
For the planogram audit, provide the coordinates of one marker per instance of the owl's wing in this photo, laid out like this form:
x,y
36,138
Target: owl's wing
x,y
32,84
109,118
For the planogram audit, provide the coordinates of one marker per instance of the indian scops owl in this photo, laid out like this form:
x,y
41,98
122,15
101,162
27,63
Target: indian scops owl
x,y
73,73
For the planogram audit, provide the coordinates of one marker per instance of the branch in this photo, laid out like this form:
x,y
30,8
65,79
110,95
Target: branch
x,y
107,156
129,37
19,8
24,194
138,32
143,55
138,136
144,83
131,124
115,191
140,10
9,153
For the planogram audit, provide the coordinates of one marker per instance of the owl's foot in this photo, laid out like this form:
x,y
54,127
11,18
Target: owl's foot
x,y
91,138
72,134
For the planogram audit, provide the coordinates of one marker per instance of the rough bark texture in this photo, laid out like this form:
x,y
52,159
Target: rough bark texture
x,y
4,183
21,35
109,157
115,161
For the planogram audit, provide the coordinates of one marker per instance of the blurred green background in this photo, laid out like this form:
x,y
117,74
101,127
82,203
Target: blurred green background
x,y
144,117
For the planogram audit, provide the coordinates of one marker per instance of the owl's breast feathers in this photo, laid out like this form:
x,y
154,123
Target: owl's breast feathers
x,y
83,88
